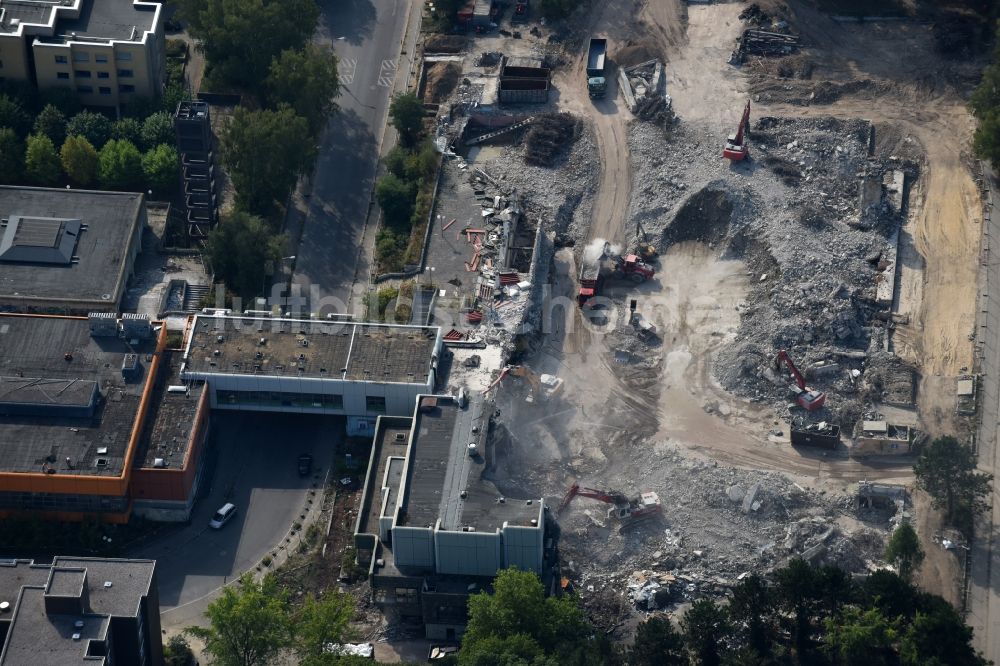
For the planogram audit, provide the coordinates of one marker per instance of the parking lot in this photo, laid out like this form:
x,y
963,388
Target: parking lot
x,y
253,463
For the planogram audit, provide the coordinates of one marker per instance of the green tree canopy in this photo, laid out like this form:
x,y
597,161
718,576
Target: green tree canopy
x,y
177,652
79,160
11,156
938,637
120,165
904,550
307,81
41,161
752,611
395,197
265,151
705,625
13,115
321,622
128,129
407,114
94,127
157,129
519,616
249,624
161,167
946,470
860,637
657,643
240,37
52,123
241,249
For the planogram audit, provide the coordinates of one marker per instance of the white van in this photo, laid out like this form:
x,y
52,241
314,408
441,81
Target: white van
x,y
222,516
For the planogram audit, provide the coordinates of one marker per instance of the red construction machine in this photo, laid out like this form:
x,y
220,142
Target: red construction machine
x,y
594,271
736,144
808,398
628,511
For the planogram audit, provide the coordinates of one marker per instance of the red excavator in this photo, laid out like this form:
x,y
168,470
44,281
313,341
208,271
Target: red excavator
x,y
808,398
736,146
629,511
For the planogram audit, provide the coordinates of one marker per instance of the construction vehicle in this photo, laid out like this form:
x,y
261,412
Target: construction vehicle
x,y
629,511
543,387
643,327
736,148
808,398
648,252
597,59
596,269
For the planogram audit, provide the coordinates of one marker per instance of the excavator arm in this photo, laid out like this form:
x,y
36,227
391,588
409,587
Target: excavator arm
x,y
783,357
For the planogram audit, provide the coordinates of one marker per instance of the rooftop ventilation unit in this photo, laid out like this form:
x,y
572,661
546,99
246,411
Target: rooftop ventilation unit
x,y
103,324
136,326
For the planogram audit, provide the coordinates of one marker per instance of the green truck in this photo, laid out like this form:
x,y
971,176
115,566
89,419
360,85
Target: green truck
x,y
597,60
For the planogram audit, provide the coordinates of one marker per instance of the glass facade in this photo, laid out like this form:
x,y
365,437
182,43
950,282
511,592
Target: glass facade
x,y
27,501
280,399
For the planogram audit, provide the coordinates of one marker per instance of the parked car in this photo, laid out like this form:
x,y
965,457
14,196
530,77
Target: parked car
x,y
222,516
305,464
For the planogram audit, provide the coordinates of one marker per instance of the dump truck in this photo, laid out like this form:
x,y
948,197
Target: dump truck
x,y
595,270
597,60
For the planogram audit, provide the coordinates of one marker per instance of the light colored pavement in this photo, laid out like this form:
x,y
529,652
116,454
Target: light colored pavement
x,y
254,459
332,212
984,581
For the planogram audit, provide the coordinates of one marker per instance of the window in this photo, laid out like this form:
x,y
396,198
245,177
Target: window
x,y
81,73
62,60
104,90
79,56
126,89
62,75
104,75
100,57
124,56
125,73
1,64
85,90
374,403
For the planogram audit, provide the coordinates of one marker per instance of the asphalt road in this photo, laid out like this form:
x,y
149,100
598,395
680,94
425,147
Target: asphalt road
x,y
984,575
330,210
255,467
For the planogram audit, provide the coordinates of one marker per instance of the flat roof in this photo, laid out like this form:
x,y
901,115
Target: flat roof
x,y
167,431
37,347
96,273
390,442
441,471
18,13
305,348
38,638
110,19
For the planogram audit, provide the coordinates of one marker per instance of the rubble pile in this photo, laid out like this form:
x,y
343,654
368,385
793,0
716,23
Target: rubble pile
x,y
561,195
719,526
817,227
549,137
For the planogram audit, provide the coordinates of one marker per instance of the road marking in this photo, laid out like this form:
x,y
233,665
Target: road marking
x,y
387,73
348,68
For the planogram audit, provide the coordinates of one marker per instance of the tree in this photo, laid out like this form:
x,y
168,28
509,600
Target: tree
x,y
904,550
307,81
11,156
79,160
657,643
95,127
946,470
177,652
13,115
129,129
52,123
395,198
938,636
249,624
240,37
41,162
265,151
161,166
705,628
407,114
752,611
241,249
157,129
519,618
321,622
859,637
797,591
120,165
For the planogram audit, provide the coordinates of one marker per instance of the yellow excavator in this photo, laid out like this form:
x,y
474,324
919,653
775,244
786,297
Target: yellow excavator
x,y
543,387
